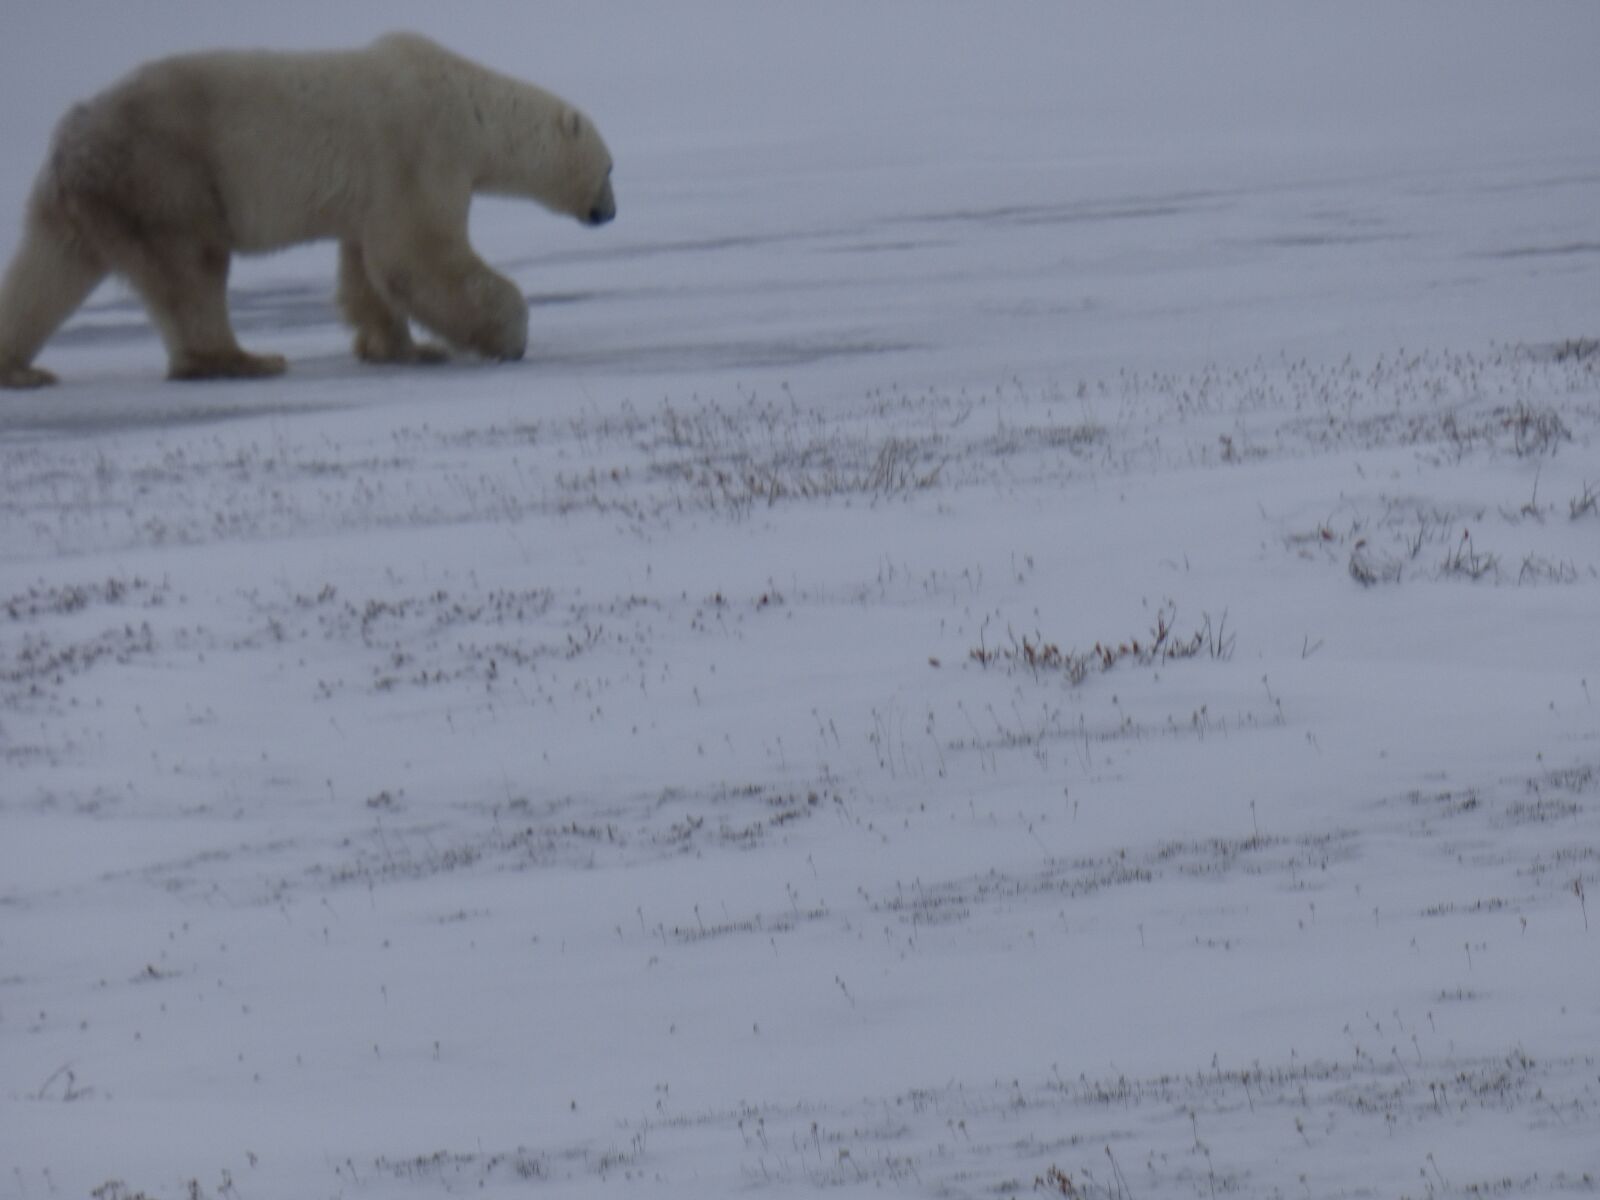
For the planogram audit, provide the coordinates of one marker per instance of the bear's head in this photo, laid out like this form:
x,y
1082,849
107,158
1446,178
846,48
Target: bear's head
x,y
586,169
524,141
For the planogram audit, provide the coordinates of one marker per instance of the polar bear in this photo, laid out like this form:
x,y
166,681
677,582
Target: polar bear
x,y
188,160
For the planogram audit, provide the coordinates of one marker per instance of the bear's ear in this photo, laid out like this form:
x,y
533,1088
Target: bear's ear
x,y
571,122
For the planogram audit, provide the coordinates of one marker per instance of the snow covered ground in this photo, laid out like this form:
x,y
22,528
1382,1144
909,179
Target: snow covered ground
x,y
1028,626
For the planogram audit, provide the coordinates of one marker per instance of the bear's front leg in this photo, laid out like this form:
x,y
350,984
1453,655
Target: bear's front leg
x,y
382,334
448,289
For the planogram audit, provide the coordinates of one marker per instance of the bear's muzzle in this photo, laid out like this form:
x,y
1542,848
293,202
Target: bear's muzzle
x,y
604,208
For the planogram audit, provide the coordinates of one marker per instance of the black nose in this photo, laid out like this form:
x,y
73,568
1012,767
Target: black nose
x,y
604,207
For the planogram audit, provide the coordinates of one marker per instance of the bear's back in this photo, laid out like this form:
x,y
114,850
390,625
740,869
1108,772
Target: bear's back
x,y
294,146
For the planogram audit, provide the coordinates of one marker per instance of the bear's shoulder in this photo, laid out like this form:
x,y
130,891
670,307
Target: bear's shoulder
x,y
406,41
402,45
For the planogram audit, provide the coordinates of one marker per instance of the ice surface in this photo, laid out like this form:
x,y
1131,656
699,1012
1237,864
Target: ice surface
x,y
1027,626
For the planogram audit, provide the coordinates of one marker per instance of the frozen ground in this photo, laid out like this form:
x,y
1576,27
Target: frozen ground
x,y
1028,627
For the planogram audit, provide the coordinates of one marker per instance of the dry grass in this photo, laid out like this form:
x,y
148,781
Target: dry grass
x,y
1039,655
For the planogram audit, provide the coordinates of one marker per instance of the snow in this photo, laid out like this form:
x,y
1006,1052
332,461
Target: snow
x,y
713,754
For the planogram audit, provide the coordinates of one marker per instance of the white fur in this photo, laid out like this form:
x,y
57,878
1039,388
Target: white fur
x,y
165,175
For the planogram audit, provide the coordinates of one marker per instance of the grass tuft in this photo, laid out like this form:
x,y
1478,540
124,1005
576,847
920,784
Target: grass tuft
x,y
1465,560
1039,655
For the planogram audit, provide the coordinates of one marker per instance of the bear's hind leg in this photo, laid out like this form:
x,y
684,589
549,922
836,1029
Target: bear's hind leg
x,y
382,333
51,274
184,284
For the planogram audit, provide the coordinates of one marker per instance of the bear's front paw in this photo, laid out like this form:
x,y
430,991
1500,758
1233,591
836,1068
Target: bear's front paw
x,y
502,331
510,353
500,343
380,346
